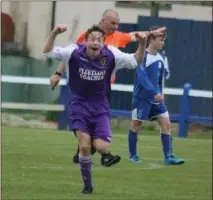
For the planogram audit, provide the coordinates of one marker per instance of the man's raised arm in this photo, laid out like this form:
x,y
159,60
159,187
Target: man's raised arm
x,y
157,32
130,61
139,54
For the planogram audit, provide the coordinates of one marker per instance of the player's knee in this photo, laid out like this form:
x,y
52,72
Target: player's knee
x,y
100,145
85,148
166,128
135,125
84,143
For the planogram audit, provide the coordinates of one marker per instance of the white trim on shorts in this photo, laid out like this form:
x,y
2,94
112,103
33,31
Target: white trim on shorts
x,y
166,114
134,115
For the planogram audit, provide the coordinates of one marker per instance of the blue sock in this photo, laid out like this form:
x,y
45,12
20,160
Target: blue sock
x,y
132,140
167,144
171,145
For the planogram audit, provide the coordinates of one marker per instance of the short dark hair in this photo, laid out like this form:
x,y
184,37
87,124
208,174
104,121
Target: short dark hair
x,y
155,27
95,28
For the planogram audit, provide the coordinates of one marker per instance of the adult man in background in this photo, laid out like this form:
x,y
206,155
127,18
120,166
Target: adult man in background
x,y
109,23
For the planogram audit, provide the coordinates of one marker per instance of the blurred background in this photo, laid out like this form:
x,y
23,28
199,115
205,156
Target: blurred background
x,y
26,25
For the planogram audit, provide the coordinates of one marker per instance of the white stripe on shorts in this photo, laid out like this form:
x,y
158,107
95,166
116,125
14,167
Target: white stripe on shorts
x,y
134,115
166,114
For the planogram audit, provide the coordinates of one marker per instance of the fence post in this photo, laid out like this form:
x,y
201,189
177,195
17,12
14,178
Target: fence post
x,y
184,112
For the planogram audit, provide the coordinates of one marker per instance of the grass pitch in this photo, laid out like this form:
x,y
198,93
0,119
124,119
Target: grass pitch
x,y
37,164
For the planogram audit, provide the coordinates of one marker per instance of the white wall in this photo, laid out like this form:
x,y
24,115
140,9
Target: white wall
x,y
39,25
38,16
5,6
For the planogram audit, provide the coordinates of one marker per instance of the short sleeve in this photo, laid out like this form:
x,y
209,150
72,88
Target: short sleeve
x,y
62,53
123,60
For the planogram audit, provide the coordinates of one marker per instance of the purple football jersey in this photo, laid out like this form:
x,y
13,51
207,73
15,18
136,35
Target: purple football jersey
x,y
89,81
89,78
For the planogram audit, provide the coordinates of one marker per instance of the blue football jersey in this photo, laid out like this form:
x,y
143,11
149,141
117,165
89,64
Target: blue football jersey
x,y
149,78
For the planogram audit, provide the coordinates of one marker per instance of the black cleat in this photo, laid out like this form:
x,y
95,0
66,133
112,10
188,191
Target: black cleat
x,y
75,158
87,190
108,160
93,151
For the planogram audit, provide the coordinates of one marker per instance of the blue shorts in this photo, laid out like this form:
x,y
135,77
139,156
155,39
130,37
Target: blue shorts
x,y
145,110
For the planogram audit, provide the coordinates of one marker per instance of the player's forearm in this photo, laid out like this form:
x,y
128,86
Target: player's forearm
x,y
146,83
151,91
60,68
139,54
50,42
133,38
157,32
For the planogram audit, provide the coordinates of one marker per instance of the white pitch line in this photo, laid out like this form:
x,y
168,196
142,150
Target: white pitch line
x,y
151,166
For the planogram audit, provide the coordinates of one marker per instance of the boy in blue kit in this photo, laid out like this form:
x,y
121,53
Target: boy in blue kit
x,y
148,102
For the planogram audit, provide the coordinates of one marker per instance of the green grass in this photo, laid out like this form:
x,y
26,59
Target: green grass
x,y
37,164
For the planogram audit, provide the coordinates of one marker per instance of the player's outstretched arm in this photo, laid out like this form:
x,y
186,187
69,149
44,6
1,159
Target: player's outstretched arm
x,y
139,54
157,32
129,61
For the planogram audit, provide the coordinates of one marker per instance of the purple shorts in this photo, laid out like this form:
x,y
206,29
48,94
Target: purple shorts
x,y
91,118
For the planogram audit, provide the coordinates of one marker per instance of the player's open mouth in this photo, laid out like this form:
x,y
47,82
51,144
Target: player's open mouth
x,y
94,48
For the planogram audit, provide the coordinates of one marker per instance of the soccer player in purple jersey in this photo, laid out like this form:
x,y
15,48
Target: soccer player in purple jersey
x,y
109,23
91,66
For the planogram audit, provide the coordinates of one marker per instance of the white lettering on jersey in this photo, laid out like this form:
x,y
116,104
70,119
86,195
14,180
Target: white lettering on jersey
x,y
91,75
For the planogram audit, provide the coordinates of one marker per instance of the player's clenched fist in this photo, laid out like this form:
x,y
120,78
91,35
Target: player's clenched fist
x,y
60,29
141,37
